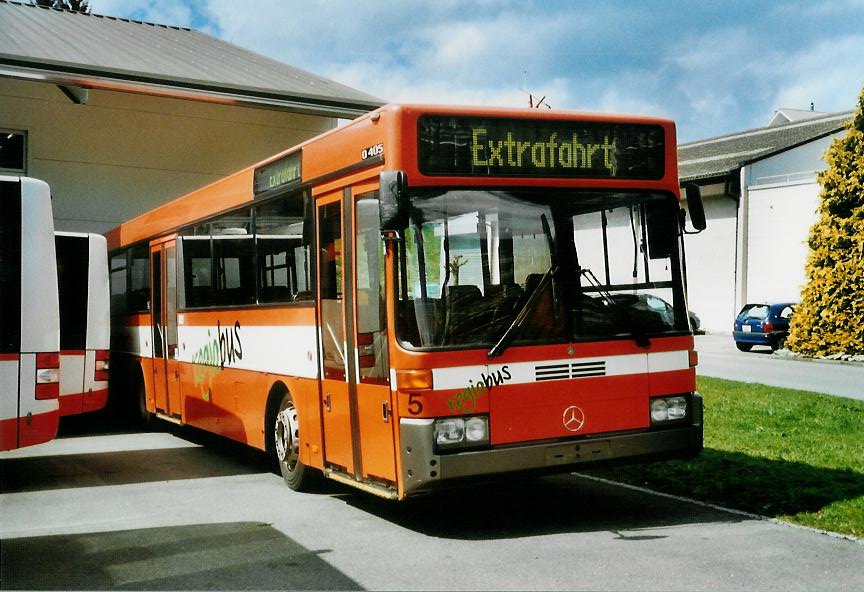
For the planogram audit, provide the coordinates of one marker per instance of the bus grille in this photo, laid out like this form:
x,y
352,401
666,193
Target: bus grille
x,y
571,370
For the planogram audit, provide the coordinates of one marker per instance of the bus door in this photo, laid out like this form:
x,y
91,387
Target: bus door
x,y
355,394
166,368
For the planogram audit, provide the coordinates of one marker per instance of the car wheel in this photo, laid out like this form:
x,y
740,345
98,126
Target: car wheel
x,y
286,440
745,347
778,343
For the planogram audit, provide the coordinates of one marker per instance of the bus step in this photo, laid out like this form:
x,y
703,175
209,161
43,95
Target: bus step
x,y
169,418
372,488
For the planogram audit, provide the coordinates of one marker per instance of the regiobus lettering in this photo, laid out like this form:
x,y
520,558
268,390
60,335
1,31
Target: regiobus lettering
x,y
460,309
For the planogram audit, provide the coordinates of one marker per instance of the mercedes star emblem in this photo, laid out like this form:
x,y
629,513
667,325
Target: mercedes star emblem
x,y
573,419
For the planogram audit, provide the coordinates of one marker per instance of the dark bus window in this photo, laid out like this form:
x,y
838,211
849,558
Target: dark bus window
x,y
10,267
197,267
282,250
72,271
138,296
118,278
233,247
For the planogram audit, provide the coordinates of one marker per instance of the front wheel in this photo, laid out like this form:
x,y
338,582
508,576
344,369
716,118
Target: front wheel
x,y
745,347
286,434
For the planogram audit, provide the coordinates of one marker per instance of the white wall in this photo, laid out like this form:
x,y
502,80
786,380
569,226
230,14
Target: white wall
x,y
122,154
780,218
711,262
782,198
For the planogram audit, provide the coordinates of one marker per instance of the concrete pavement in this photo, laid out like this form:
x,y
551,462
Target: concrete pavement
x,y
718,357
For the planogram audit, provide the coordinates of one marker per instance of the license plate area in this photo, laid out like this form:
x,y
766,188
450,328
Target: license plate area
x,y
581,452
746,328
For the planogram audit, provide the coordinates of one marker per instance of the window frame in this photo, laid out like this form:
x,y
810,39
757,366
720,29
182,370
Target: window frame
x,y
24,149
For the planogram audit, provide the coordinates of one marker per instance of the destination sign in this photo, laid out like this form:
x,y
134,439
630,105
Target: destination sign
x,y
499,147
277,173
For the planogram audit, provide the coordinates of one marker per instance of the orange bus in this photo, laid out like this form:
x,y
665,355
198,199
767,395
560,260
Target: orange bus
x,y
426,295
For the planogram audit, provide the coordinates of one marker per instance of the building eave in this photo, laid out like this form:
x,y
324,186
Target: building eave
x,y
183,89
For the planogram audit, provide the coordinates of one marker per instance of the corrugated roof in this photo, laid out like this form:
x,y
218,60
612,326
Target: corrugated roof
x,y
68,47
717,157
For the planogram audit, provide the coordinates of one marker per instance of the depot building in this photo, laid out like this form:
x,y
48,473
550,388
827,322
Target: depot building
x,y
761,196
119,116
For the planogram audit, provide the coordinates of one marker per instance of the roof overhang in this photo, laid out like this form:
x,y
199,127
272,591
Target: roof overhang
x,y
185,90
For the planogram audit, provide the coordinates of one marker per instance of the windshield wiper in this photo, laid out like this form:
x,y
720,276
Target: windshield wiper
x,y
522,315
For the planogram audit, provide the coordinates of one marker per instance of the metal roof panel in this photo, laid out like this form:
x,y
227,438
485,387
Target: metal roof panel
x,y
60,40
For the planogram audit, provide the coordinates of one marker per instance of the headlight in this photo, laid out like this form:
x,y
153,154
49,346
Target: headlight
x,y
449,432
475,429
461,432
669,409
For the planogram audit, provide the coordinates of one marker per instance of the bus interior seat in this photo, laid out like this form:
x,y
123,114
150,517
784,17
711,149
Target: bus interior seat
x,y
462,311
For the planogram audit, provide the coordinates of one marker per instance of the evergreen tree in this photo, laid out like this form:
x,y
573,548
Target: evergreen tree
x,y
75,5
830,317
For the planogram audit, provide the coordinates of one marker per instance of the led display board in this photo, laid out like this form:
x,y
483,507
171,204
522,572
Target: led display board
x,y
504,147
277,173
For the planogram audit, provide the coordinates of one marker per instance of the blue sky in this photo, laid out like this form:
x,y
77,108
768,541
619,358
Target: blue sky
x,y
714,67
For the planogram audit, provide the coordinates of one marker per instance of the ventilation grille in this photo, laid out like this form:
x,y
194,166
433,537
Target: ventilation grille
x,y
571,370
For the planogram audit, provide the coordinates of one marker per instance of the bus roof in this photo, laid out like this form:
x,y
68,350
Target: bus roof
x,y
361,146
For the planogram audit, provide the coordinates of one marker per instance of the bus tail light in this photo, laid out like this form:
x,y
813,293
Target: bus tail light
x,y
694,358
366,350
47,376
100,372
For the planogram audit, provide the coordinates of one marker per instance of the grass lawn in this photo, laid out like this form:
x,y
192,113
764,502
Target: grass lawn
x,y
793,455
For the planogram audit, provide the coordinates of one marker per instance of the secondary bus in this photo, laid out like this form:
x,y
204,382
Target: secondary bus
x,y
82,278
423,296
29,316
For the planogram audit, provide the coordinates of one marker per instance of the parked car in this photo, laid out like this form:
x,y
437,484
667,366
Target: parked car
x,y
762,324
658,305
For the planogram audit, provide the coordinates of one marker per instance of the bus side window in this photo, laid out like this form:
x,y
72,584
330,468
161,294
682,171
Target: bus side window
x,y
129,276
118,279
282,250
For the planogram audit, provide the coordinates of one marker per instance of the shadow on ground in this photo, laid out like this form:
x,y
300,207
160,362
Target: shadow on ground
x,y
205,456
754,484
230,556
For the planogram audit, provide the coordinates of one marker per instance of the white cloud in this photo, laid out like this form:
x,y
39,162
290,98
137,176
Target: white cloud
x,y
829,73
713,67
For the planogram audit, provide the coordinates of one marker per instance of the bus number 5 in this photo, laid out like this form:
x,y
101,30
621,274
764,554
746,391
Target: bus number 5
x,y
415,404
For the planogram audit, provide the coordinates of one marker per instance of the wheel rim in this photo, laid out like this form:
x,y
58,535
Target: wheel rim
x,y
287,437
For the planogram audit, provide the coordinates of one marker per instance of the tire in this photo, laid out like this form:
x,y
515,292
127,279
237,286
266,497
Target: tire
x,y
143,418
778,343
286,448
745,347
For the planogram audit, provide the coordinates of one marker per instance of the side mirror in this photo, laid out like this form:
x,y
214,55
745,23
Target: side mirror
x,y
662,229
695,207
393,200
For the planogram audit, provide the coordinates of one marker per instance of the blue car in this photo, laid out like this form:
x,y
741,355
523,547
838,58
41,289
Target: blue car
x,y
762,324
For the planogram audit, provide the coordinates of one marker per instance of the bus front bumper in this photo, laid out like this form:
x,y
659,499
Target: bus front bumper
x,y
423,469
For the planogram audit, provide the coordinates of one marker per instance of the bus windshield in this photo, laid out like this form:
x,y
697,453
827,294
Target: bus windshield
x,y
490,268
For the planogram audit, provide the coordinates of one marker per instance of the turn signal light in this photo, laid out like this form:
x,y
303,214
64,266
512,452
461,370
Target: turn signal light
x,y
413,380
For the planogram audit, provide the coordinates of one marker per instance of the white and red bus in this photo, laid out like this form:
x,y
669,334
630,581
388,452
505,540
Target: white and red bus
x,y
426,295
85,322
29,317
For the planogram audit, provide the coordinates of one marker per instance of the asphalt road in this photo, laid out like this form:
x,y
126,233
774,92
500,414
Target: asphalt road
x,y
162,511
718,357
